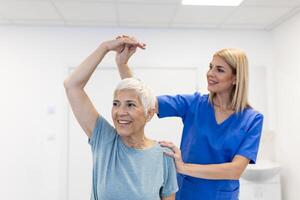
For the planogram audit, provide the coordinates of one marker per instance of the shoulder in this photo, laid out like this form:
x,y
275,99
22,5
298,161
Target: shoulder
x,y
103,131
161,150
251,113
251,118
196,98
199,96
102,123
167,159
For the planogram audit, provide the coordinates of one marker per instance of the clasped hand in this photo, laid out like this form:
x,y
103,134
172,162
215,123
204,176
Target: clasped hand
x,y
124,46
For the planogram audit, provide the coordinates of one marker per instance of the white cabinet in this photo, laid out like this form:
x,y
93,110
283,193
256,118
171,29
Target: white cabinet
x,y
267,190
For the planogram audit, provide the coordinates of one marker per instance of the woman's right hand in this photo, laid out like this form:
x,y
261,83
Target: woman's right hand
x,y
120,43
123,56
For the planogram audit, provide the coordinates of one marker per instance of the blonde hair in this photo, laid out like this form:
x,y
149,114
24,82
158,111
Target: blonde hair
x,y
144,93
238,62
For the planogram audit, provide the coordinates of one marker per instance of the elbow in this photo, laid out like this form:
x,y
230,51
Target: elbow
x,y
68,84
236,176
236,173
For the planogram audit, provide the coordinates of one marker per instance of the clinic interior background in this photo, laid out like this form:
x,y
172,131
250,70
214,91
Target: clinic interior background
x,y
34,123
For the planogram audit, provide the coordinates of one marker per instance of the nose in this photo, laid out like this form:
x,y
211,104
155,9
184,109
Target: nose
x,y
210,72
122,110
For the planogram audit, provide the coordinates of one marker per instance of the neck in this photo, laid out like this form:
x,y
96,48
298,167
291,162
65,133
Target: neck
x,y
137,142
222,101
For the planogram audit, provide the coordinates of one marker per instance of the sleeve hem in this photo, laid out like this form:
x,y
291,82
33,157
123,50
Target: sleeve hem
x,y
166,194
161,111
249,156
92,138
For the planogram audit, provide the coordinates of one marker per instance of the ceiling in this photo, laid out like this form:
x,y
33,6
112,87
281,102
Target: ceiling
x,y
251,14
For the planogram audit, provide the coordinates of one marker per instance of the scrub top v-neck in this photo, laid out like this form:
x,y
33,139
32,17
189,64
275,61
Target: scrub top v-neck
x,y
204,141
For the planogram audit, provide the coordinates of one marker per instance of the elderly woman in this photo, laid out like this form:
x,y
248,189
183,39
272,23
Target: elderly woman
x,y
126,164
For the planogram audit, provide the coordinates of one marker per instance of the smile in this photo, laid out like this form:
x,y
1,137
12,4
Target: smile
x,y
124,121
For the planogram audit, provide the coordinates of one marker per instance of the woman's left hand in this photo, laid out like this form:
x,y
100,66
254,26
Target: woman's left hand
x,y
176,154
127,50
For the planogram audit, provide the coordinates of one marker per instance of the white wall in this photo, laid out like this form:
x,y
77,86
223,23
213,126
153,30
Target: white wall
x,y
33,63
287,72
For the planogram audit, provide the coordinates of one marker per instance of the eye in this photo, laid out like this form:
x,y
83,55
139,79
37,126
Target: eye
x,y
115,104
220,70
210,66
131,105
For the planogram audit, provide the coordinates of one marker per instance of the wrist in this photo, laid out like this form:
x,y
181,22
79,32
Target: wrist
x,y
104,47
181,168
122,65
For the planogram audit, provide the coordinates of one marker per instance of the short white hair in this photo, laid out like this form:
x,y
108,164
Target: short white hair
x,y
144,92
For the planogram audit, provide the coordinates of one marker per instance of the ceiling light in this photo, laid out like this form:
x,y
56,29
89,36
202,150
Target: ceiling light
x,y
212,2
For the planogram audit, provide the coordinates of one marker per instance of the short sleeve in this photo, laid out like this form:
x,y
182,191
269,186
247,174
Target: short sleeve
x,y
170,177
249,147
174,106
103,132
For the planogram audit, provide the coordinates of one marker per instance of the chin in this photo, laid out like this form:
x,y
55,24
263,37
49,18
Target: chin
x,y
215,90
123,133
210,89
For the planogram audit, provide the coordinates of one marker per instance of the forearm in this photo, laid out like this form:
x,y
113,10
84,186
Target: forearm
x,y
125,71
80,76
228,171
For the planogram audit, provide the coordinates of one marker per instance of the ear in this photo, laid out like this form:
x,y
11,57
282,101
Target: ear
x,y
234,81
150,114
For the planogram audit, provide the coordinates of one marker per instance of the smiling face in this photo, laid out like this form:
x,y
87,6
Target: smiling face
x,y
128,113
220,77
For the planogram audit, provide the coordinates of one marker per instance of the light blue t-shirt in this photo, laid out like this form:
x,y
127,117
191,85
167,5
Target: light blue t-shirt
x,y
124,173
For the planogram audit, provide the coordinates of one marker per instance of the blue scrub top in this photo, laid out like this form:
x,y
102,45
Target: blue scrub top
x,y
204,141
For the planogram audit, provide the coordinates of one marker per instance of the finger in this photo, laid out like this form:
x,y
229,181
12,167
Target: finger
x,y
167,144
120,36
131,41
173,147
126,49
170,154
132,50
122,48
163,141
142,45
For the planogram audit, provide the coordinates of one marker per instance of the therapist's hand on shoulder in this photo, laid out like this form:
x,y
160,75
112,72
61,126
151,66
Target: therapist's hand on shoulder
x,y
175,153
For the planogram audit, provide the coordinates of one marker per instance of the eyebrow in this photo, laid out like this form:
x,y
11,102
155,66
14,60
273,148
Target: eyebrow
x,y
127,101
210,64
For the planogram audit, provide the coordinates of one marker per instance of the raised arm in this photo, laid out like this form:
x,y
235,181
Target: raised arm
x,y
81,105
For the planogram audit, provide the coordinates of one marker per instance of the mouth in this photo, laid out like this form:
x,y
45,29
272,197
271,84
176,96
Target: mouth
x,y
123,121
211,82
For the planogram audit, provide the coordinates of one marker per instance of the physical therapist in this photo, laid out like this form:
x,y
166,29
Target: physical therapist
x,y
221,130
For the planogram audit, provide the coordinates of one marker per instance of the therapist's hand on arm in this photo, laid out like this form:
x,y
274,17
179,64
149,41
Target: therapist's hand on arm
x,y
228,171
